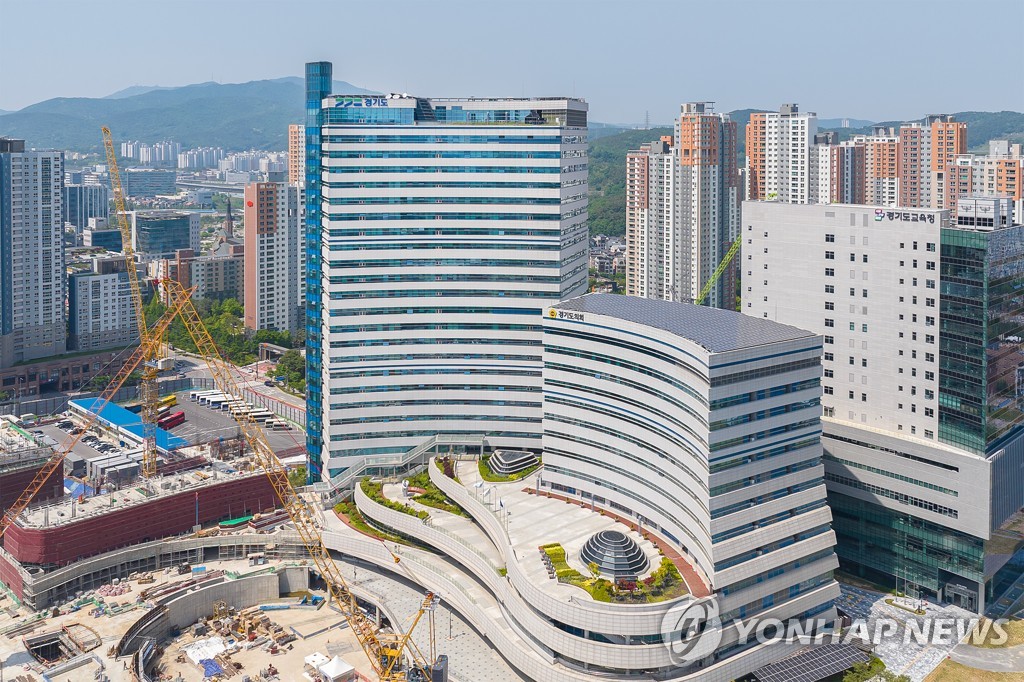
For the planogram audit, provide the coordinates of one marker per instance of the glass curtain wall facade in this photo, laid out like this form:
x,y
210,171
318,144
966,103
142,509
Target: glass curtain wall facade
x,y
981,389
448,226
319,77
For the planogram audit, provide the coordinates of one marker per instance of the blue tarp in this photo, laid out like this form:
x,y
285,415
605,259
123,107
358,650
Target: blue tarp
x,y
210,667
117,416
75,488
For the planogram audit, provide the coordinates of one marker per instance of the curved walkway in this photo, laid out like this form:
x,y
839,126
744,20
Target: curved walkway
x,y
999,660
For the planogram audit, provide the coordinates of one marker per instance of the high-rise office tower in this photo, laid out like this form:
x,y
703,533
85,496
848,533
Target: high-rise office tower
x,y
923,407
448,226
275,256
296,154
32,282
682,209
82,202
778,155
162,232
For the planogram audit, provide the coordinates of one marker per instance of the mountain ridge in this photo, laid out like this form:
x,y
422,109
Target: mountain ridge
x,y
252,115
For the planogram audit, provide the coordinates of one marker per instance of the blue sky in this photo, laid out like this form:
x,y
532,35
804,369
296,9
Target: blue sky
x,y
836,57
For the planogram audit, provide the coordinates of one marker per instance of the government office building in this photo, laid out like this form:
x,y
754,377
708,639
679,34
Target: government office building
x,y
922,317
437,231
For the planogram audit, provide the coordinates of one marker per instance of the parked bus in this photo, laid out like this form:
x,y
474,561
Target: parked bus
x,y
204,399
196,395
169,401
242,410
163,410
261,416
280,425
171,420
215,401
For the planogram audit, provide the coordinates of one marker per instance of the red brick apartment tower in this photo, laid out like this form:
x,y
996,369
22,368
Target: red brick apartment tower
x,y
949,139
260,219
756,138
636,214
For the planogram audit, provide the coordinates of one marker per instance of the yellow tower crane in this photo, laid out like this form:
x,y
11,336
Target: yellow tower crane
x,y
148,392
395,657
387,652
56,460
718,271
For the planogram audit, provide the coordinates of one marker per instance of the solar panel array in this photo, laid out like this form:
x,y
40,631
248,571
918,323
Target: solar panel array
x,y
812,664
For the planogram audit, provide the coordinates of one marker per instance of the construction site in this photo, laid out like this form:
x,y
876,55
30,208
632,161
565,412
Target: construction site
x,y
130,552
254,618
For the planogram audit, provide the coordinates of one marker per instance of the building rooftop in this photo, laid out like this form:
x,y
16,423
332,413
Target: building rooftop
x,y
18,447
714,329
70,509
118,416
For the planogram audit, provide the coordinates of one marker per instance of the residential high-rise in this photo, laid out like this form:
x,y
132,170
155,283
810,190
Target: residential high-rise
x,y
1000,173
275,256
923,407
652,265
881,173
708,201
949,140
101,312
914,165
778,155
82,202
449,225
682,211
32,281
296,154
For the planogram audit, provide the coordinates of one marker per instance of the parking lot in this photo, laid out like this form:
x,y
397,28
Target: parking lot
x,y
203,424
81,447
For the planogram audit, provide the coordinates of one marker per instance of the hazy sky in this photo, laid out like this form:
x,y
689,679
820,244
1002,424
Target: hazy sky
x,y
888,59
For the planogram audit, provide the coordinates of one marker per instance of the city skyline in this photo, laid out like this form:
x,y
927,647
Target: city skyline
x,y
597,68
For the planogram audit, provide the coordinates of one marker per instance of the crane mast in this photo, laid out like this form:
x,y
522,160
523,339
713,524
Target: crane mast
x,y
718,271
148,392
385,651
57,458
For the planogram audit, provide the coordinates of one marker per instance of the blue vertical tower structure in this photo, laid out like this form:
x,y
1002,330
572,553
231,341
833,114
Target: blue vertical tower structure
x,y
319,77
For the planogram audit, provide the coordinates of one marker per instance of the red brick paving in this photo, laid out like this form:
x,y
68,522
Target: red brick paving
x,y
694,583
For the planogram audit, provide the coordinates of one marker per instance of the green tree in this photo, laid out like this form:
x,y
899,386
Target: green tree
x,y
291,368
297,477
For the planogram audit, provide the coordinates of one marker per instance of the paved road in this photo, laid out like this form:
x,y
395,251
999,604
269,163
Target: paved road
x,y
1004,660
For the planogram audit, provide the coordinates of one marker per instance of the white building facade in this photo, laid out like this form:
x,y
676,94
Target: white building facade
x,y
703,427
32,281
100,306
923,433
275,256
448,225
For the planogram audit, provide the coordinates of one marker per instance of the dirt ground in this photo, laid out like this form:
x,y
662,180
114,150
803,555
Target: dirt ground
x,y
16,659
173,664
